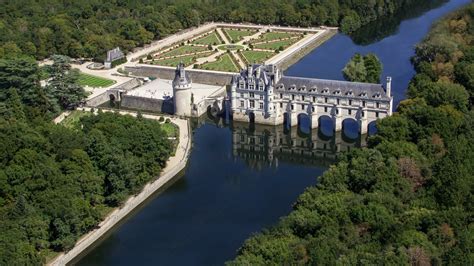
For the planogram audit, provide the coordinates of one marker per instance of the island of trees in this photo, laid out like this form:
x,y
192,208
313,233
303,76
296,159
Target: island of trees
x,y
58,182
408,197
89,28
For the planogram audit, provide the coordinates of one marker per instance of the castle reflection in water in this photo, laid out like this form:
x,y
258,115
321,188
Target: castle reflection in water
x,y
268,146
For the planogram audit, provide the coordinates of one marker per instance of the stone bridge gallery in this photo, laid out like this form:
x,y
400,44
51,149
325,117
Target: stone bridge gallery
x,y
261,94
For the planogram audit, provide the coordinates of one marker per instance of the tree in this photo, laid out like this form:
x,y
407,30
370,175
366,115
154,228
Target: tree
x,y
366,68
63,83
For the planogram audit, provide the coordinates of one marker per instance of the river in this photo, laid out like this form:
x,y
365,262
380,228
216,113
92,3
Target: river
x,y
240,180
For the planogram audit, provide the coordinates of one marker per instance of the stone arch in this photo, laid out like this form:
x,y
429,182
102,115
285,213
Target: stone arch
x,y
372,127
304,124
350,128
252,118
326,125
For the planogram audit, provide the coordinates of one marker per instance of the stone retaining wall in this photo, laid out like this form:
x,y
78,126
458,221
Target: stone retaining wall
x,y
141,103
197,76
135,201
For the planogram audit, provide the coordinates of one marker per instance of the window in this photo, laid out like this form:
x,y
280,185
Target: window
x,y
302,107
362,113
241,103
378,105
242,95
242,85
281,95
350,102
363,103
377,114
312,109
261,97
250,86
292,107
302,97
281,105
261,105
292,96
260,87
252,104
349,112
314,99
252,95
338,101
337,111
325,99
325,109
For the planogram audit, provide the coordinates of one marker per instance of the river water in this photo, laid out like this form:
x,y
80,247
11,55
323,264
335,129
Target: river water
x,y
240,180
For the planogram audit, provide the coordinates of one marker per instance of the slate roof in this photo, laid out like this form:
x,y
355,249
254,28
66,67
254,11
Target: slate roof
x,y
312,85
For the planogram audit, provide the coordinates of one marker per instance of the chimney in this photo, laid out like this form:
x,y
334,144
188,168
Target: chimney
x,y
388,87
249,70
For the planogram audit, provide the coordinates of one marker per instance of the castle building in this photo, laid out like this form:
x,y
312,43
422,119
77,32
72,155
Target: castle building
x,y
182,96
261,94
113,55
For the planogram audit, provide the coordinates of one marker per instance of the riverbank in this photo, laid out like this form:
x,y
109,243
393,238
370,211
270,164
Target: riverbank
x,y
174,165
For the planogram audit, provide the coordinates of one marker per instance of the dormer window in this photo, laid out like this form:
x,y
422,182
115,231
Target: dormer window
x,y
260,87
350,93
377,95
242,85
314,89
302,88
363,94
281,87
326,90
337,92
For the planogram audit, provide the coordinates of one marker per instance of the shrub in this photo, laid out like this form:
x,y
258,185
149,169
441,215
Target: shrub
x,y
161,119
168,120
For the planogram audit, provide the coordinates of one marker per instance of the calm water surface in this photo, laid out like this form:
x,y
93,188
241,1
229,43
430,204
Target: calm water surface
x,y
237,183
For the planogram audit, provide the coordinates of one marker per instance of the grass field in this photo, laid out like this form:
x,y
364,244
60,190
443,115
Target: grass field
x,y
257,57
237,35
94,81
185,49
170,129
209,39
275,35
187,60
224,63
276,45
72,121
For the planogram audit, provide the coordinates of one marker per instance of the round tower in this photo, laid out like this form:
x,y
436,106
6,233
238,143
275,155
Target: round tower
x,y
182,98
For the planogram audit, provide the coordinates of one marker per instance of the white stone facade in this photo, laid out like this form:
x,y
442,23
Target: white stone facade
x,y
260,94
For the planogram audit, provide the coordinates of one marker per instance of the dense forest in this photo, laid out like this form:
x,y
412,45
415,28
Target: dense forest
x,y
88,28
57,182
408,197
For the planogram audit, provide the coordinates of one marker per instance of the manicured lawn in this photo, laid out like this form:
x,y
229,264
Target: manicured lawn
x,y
72,121
94,81
187,60
237,35
224,63
257,57
275,35
276,45
209,39
182,50
170,129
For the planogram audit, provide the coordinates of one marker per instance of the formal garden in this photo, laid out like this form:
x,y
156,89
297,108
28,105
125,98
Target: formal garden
x,y
225,49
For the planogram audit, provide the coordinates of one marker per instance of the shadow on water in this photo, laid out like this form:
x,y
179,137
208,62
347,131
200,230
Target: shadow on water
x,y
386,26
